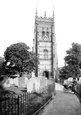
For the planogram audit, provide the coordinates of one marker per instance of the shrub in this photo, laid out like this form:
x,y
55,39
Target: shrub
x,y
78,91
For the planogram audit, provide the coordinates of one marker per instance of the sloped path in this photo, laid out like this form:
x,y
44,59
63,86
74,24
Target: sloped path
x,y
63,104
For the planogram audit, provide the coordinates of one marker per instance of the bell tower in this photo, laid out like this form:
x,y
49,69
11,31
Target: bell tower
x,y
44,45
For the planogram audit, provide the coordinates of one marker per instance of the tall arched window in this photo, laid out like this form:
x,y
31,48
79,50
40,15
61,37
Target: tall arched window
x,y
43,33
47,34
45,54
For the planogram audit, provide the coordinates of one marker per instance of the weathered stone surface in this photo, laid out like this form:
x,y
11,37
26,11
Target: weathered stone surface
x,y
43,82
33,84
22,81
10,81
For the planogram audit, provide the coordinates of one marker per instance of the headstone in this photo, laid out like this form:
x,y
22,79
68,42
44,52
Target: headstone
x,y
33,84
16,81
79,82
22,81
9,82
43,82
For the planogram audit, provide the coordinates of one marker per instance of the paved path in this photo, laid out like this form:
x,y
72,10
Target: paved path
x,y
63,104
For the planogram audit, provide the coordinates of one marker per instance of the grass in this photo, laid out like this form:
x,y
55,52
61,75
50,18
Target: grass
x,y
30,103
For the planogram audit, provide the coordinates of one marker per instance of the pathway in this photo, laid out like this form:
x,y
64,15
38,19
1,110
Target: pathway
x,y
63,104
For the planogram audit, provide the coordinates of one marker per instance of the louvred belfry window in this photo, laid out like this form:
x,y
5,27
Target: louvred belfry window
x,y
43,34
47,34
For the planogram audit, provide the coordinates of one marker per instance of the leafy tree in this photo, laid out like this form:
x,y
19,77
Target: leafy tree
x,y
2,66
69,71
63,72
72,62
19,58
73,54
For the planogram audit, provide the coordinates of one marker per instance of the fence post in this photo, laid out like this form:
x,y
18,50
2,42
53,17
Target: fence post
x,y
18,104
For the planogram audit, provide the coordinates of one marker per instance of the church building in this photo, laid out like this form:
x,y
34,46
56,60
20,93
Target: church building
x,y
44,46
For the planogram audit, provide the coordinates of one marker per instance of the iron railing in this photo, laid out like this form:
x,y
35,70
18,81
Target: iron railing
x,y
24,104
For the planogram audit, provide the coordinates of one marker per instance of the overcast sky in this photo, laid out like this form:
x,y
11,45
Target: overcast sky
x,y
17,19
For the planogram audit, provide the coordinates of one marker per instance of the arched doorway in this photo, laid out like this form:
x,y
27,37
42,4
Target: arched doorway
x,y
46,74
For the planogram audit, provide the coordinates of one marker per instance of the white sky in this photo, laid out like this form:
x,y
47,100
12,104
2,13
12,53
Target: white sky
x,y
17,19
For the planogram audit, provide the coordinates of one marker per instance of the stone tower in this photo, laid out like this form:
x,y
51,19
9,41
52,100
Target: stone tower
x,y
44,46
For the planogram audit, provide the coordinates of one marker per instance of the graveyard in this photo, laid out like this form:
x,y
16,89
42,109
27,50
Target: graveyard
x,y
25,96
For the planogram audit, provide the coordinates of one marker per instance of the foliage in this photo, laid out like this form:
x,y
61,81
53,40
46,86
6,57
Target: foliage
x,y
29,102
19,58
63,72
73,54
72,62
78,91
69,71
29,65
2,66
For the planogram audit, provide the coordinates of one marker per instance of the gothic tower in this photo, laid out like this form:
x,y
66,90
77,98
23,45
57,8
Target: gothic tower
x,y
44,45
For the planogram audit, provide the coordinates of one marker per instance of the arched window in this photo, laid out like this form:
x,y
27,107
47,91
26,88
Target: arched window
x,y
43,33
45,54
46,74
47,34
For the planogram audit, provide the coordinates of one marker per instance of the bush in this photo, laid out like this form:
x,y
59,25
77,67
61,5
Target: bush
x,y
78,91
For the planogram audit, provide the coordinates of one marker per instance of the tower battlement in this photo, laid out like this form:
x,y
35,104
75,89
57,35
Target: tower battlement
x,y
44,19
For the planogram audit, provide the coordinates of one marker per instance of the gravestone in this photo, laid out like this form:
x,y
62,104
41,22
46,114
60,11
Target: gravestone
x,y
33,84
22,82
15,81
8,82
43,82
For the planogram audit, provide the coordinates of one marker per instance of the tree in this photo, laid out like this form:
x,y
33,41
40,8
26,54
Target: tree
x,y
63,72
19,58
2,67
30,64
73,54
72,62
69,71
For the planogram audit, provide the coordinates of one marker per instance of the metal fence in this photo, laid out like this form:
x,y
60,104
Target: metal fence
x,y
25,104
